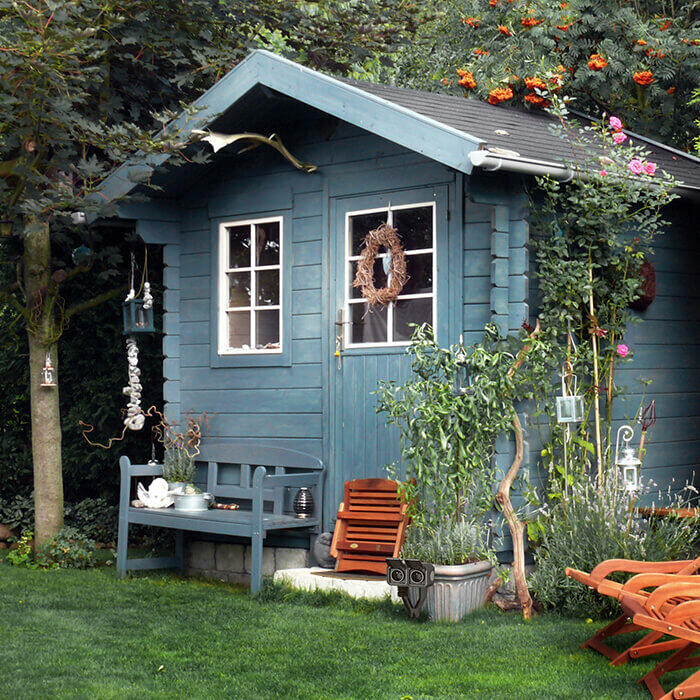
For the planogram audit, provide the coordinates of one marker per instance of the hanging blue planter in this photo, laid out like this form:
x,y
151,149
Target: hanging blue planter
x,y
137,318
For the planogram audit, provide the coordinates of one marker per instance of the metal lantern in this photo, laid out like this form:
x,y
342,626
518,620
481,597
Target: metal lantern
x,y
304,503
625,459
413,578
138,317
48,376
569,405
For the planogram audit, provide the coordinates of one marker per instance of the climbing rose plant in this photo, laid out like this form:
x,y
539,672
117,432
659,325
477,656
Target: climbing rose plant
x,y
639,62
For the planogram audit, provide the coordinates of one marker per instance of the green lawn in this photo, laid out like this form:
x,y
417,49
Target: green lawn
x,y
88,634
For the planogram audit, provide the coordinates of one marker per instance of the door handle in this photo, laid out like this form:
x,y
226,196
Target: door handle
x,y
339,324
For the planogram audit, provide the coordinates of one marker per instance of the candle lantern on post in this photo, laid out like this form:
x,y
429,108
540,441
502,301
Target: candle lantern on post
x,y
625,459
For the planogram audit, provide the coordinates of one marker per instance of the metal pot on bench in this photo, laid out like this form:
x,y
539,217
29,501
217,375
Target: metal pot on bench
x,y
192,502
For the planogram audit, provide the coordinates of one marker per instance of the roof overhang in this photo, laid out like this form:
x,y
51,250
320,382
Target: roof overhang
x,y
393,122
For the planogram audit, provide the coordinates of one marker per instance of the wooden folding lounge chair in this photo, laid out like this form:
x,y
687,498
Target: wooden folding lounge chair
x,y
599,581
672,609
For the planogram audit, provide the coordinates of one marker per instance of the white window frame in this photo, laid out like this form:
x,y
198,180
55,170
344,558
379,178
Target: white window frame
x,y
253,308
349,258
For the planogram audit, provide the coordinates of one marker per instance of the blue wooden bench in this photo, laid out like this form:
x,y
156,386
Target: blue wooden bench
x,y
264,501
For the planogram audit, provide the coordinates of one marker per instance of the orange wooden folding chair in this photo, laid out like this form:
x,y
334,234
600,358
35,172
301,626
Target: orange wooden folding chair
x,y
599,580
672,609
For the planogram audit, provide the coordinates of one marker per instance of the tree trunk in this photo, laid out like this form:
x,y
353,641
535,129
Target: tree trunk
x,y
517,528
46,417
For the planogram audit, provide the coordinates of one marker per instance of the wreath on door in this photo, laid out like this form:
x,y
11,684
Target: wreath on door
x,y
383,237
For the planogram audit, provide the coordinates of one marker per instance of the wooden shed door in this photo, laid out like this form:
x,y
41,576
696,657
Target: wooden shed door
x,y
372,342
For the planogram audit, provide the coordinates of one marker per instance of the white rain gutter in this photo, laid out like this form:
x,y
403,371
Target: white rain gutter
x,y
490,162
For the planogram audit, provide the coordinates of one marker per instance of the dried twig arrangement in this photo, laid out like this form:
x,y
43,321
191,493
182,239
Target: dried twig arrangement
x,y
387,237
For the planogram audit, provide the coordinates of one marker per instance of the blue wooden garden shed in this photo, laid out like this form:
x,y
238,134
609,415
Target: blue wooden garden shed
x,y
262,328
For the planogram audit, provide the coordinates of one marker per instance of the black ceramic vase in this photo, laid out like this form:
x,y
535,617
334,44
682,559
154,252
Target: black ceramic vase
x,y
304,503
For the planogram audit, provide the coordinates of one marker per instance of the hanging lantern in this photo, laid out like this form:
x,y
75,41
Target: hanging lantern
x,y
626,461
569,405
48,376
5,228
138,318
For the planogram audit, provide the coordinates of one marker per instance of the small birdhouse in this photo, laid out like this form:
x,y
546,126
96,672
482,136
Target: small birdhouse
x,y
138,317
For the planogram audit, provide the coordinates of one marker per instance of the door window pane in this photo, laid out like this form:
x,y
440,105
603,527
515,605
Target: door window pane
x,y
267,243
267,331
368,325
408,311
415,227
239,288
239,246
239,329
420,274
267,286
361,225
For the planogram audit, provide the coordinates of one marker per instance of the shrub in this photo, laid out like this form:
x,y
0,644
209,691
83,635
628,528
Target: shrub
x,y
69,549
592,525
95,518
18,513
23,555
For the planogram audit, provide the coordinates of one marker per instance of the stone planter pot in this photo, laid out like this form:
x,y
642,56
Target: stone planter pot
x,y
457,590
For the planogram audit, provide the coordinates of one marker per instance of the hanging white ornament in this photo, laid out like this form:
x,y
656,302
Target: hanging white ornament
x,y
147,296
135,419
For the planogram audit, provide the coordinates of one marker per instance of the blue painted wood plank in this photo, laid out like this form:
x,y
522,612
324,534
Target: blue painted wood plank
x,y
477,263
196,241
195,310
195,265
171,323
195,332
307,253
171,255
270,425
302,377
171,346
171,368
306,326
308,203
290,400
196,288
306,351
238,201
307,229
306,301
171,277
195,355
171,391
306,277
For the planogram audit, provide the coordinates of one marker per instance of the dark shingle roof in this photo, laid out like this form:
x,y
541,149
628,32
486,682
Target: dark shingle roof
x,y
529,132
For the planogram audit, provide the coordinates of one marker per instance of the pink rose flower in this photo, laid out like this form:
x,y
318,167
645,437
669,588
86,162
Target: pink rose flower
x,y
603,173
615,123
622,350
636,166
619,137
650,168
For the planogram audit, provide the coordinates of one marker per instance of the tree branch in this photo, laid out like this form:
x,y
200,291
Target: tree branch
x,y
95,301
7,295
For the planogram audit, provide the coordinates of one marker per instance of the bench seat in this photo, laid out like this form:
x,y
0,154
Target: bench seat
x,y
263,499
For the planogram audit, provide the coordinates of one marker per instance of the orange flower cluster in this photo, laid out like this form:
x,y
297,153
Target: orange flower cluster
x,y
529,22
480,52
694,42
466,79
563,27
641,42
504,30
644,77
537,100
596,62
533,83
493,3
498,95
665,25
671,90
563,5
655,54
473,22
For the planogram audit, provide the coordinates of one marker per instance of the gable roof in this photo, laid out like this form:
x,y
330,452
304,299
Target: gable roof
x,y
446,128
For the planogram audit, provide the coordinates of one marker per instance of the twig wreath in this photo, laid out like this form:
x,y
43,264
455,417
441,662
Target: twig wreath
x,y
387,237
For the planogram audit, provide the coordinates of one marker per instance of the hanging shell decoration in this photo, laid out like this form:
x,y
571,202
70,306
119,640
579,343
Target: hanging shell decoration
x,y
135,419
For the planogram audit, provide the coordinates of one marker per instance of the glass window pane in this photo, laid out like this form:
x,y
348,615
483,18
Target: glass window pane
x,y
267,329
239,329
267,287
379,276
368,325
239,288
239,246
411,311
361,225
267,237
415,227
420,274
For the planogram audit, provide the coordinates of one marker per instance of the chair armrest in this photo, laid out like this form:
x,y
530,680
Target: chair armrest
x,y
631,566
678,589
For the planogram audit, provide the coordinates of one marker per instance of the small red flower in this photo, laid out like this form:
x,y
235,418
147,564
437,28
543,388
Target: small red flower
x,y
671,90
473,22
504,30
480,52
529,22
665,25
641,42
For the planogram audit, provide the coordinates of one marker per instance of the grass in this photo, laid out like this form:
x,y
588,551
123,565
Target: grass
x,y
89,634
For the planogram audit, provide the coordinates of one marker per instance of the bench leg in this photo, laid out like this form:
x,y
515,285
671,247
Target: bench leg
x,y
256,547
122,546
180,550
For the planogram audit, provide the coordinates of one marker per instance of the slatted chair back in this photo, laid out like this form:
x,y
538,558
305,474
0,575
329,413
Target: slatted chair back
x,y
371,526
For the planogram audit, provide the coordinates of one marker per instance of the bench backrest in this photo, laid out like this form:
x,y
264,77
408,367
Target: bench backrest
x,y
230,466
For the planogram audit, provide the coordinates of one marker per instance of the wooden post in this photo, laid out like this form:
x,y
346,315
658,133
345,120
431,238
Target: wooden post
x,y
594,343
